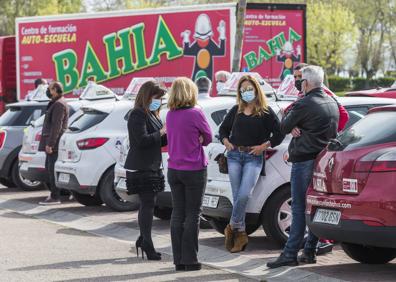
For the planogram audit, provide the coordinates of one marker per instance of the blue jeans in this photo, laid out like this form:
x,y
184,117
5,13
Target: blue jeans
x,y
301,177
244,171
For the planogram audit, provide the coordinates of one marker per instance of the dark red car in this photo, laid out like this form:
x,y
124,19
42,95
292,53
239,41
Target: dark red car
x,y
352,198
377,92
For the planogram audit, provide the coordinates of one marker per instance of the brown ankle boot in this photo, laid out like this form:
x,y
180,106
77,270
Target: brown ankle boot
x,y
229,237
240,241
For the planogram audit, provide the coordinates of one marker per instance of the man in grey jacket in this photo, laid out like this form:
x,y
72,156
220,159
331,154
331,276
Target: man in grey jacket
x,y
55,124
316,117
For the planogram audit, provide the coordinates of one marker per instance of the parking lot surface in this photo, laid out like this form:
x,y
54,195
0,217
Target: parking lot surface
x,y
93,244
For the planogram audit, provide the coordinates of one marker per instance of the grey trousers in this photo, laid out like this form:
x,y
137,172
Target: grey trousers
x,y
188,188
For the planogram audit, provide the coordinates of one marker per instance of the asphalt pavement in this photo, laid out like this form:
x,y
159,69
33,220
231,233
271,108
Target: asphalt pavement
x,y
71,242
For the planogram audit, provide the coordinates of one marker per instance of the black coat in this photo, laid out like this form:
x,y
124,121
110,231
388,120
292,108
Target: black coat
x,y
145,141
316,115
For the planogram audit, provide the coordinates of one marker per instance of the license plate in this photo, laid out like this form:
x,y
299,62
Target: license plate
x,y
327,216
122,183
64,177
210,201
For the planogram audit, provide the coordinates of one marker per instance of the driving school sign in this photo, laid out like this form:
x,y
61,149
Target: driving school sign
x,y
112,48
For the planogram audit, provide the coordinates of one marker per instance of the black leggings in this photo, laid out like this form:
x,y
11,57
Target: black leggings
x,y
146,213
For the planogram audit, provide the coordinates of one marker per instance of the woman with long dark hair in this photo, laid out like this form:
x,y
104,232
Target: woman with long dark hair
x,y
143,164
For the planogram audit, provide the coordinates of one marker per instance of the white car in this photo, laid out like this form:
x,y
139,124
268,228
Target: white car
x,y
270,202
214,109
31,161
88,152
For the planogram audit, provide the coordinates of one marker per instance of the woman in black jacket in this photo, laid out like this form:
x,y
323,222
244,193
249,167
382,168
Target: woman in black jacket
x,y
143,164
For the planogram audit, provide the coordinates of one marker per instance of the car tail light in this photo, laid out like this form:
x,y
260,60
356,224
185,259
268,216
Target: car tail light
x,y
2,138
91,143
378,161
37,138
269,154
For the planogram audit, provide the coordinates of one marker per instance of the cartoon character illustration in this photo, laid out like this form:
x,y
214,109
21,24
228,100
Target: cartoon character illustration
x,y
288,58
204,48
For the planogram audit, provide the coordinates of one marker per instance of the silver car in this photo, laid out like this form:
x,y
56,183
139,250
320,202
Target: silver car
x,y
13,123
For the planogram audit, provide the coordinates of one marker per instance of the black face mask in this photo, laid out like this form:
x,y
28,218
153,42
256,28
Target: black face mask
x,y
298,84
48,93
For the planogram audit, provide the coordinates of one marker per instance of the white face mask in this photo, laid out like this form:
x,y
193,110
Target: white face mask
x,y
219,86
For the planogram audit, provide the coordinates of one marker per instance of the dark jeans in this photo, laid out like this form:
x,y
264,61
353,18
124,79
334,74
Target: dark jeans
x,y
145,217
301,177
187,188
50,167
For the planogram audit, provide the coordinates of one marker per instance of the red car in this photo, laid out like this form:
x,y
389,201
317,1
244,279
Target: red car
x,y
352,198
377,92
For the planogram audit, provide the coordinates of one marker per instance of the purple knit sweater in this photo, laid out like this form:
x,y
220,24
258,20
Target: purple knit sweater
x,y
184,126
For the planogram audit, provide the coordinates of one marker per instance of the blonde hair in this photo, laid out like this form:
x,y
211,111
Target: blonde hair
x,y
260,103
183,93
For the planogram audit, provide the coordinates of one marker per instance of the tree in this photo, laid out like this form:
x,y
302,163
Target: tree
x,y
371,22
236,61
10,10
330,32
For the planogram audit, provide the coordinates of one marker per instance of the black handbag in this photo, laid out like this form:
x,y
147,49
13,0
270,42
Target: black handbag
x,y
221,159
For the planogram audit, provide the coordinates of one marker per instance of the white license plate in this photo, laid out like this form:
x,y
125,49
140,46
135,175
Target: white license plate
x,y
64,178
122,184
327,216
210,201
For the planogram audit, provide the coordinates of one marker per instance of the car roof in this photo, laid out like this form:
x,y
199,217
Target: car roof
x,y
389,108
355,101
109,107
27,104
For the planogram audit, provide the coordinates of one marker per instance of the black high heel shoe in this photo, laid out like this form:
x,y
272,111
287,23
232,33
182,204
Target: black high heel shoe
x,y
138,244
150,252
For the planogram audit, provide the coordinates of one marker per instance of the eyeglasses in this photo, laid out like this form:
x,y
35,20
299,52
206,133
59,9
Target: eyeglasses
x,y
249,88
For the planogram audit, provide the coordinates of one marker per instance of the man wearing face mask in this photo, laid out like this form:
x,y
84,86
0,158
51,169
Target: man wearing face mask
x,y
344,116
55,124
221,78
317,115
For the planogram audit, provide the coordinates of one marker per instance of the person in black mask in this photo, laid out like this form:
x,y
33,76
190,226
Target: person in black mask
x,y
298,75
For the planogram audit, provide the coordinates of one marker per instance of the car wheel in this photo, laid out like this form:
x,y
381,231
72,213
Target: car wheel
x,y
369,255
7,182
277,215
220,225
22,182
110,197
87,200
163,213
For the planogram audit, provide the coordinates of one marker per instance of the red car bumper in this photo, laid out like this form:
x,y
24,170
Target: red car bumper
x,y
367,219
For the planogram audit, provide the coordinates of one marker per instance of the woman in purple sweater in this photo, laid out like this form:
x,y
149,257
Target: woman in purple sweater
x,y
188,131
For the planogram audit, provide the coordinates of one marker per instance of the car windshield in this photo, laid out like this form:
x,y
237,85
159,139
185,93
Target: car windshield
x,y
87,120
20,116
373,129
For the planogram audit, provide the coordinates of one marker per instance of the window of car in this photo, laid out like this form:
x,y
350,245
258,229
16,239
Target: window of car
x,y
88,119
20,116
373,129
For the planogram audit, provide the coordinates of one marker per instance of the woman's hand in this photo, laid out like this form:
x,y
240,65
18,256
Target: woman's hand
x,y
229,146
163,130
259,149
201,139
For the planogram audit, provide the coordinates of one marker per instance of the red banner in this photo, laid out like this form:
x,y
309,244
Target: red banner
x,y
274,41
112,48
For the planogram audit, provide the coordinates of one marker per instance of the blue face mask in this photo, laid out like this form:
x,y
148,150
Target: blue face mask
x,y
155,105
248,96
